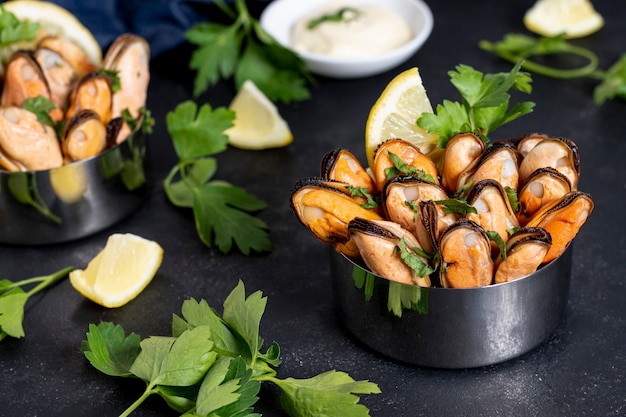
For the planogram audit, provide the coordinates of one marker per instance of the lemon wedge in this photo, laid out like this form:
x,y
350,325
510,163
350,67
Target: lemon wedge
x,y
120,271
69,182
395,113
575,18
258,125
55,20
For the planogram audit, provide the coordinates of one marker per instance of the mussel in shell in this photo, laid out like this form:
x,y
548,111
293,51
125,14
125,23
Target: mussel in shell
x,y
563,218
341,165
84,136
465,252
408,154
382,244
555,152
92,92
460,153
525,251
326,211
499,162
542,187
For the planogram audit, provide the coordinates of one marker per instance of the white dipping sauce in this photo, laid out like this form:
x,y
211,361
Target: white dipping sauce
x,y
370,31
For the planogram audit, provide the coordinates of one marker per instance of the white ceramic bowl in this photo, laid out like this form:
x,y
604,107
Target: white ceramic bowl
x,y
279,17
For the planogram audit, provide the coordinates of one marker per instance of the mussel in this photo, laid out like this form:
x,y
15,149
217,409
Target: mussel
x,y
563,218
382,244
93,92
555,152
70,52
84,136
460,153
326,211
542,187
25,143
499,162
465,253
525,251
341,165
59,76
408,154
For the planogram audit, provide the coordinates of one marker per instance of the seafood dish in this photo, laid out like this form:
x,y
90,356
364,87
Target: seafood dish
x,y
477,214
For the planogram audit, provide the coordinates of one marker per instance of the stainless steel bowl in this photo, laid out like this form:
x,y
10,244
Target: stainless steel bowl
x,y
450,328
75,200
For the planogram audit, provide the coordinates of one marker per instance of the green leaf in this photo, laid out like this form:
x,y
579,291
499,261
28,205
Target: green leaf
x,y
243,315
613,84
109,350
456,206
413,261
215,392
12,312
198,133
13,30
188,359
41,107
154,350
495,237
221,214
330,394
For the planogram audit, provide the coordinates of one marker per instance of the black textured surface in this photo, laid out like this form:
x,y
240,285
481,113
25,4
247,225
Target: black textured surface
x,y
578,371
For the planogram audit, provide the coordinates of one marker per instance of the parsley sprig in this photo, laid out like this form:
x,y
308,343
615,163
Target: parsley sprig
x,y
484,105
247,52
13,298
14,31
221,210
213,365
515,47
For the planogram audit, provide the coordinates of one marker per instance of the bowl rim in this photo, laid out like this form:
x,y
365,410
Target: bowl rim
x,y
277,9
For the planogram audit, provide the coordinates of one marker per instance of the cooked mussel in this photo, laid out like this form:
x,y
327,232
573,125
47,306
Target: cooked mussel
x,y
408,154
499,162
59,76
525,251
460,153
493,209
25,143
341,165
382,245
558,153
563,219
527,142
326,211
542,187
72,53
93,92
465,253
85,135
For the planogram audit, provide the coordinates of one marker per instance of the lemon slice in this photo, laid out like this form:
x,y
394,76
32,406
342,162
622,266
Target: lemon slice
x,y
395,113
258,125
575,18
120,271
55,20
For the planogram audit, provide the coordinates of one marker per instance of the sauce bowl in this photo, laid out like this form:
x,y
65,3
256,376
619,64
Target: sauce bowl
x,y
450,328
279,17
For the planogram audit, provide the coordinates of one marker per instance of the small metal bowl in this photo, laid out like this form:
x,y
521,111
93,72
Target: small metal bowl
x,y
450,328
75,200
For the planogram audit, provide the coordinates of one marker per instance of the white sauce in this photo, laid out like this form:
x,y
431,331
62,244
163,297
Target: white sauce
x,y
370,31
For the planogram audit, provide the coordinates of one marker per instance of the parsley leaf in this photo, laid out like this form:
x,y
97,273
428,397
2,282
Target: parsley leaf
x,y
456,206
484,105
13,299
222,211
13,31
200,370
363,192
245,51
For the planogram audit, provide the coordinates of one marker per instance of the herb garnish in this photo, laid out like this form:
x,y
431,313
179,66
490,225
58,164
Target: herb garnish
x,y
401,167
14,31
13,298
344,14
456,206
521,48
247,52
363,192
212,365
221,210
497,239
412,259
484,106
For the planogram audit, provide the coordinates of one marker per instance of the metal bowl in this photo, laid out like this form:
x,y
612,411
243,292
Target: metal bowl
x,y
451,328
75,200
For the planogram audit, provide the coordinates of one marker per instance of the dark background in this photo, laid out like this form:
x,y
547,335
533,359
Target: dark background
x,y
578,371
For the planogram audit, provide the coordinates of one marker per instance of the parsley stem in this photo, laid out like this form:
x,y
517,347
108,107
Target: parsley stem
x,y
149,391
43,281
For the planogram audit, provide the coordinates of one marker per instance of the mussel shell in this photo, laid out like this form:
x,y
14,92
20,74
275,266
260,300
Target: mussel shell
x,y
563,219
499,162
377,242
59,75
342,165
84,136
556,152
525,251
460,153
542,187
23,79
465,252
326,210
73,54
494,211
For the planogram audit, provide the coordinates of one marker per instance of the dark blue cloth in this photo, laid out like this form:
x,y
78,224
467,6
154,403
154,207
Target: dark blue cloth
x,y
161,22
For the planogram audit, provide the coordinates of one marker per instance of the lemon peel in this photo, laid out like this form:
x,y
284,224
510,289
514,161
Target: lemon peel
x,y
258,124
395,113
120,271
55,20
574,18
